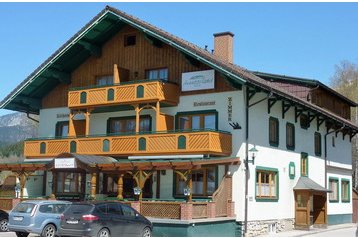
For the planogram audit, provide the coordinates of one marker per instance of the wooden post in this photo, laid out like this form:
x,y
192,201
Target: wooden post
x,y
190,185
137,112
116,78
93,185
71,126
88,113
158,121
120,186
22,184
141,185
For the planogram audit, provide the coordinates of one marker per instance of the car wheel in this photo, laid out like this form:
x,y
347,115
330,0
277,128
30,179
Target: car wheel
x,y
104,232
147,232
49,231
21,234
3,225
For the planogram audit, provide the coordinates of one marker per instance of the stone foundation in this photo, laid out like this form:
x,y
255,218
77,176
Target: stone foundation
x,y
257,228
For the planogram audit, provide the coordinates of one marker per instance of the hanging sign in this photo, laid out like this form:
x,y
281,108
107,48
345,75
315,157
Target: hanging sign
x,y
65,163
198,80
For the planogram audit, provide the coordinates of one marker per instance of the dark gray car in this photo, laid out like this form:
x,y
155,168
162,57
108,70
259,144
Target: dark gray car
x,y
103,219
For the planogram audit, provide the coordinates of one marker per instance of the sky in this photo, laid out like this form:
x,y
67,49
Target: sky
x,y
296,39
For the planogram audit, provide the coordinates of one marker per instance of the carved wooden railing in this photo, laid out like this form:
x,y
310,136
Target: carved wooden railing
x,y
193,142
134,92
222,196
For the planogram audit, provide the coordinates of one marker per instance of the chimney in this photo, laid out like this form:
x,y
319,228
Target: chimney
x,y
223,46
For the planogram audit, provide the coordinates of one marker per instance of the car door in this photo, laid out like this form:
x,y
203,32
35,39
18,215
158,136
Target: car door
x,y
118,225
134,225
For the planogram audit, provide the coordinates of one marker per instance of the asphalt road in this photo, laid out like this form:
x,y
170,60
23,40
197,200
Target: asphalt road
x,y
345,232
11,234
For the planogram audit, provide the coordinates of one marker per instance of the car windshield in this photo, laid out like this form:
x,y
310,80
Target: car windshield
x,y
79,209
24,207
53,208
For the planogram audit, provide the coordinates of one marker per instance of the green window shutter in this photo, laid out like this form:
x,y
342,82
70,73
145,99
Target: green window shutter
x,y
291,170
73,147
110,94
181,142
83,98
142,144
43,148
105,145
140,91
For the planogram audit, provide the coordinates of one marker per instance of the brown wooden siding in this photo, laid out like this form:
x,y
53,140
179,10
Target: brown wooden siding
x,y
331,102
137,58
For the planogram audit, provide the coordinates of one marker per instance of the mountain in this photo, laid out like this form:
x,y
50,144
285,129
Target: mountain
x,y
17,127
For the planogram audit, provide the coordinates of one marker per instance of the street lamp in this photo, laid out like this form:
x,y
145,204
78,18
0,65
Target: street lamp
x,y
17,190
187,193
253,152
137,191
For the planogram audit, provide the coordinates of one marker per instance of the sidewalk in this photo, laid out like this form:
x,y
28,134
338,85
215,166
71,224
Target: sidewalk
x,y
312,231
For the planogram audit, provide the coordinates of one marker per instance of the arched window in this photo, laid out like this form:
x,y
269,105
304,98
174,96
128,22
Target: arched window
x,y
73,147
181,142
110,94
105,147
83,98
43,148
140,91
142,144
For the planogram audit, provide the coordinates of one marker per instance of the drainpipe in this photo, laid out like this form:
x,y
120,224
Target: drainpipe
x,y
325,153
247,151
33,119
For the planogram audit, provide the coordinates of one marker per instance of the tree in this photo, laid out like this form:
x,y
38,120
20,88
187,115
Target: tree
x,y
345,81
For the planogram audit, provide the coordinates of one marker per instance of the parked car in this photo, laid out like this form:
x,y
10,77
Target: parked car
x,y
4,217
103,219
41,217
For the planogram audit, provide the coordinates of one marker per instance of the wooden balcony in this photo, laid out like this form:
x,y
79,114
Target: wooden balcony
x,y
127,93
161,143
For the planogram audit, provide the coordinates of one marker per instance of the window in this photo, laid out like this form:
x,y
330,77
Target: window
x,y
266,184
127,124
333,142
128,211
317,144
273,131
304,121
61,129
204,182
105,80
130,40
333,186
304,164
290,136
112,186
345,188
114,208
155,74
69,182
197,121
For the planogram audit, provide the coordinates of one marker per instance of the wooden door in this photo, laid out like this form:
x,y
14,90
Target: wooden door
x,y
319,209
302,209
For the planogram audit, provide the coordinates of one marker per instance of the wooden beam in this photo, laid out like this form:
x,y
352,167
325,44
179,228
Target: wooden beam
x,y
285,107
30,101
320,120
153,41
61,76
311,117
191,60
252,93
270,103
92,48
298,113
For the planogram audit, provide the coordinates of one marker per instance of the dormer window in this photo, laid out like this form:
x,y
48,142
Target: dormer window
x,y
130,40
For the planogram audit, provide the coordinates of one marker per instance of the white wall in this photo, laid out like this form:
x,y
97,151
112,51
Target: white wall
x,y
48,120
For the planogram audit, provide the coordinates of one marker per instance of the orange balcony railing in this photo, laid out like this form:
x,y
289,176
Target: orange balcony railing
x,y
134,92
161,143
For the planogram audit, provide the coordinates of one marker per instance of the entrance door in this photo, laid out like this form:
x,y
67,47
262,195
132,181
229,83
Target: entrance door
x,y
319,209
302,209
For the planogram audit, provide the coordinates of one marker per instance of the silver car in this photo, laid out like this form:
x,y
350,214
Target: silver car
x,y
41,217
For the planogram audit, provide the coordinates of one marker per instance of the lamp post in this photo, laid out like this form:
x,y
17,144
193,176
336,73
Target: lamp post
x,y
253,152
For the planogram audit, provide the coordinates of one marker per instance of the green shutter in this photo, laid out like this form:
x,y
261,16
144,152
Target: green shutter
x,y
110,94
142,144
140,91
73,147
105,147
181,142
83,98
43,148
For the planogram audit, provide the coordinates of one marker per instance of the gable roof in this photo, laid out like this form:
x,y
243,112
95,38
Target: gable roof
x,y
302,81
27,96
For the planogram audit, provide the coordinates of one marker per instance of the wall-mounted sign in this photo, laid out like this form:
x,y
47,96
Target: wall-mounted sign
x,y
62,115
201,104
198,80
65,163
229,109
